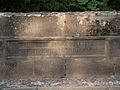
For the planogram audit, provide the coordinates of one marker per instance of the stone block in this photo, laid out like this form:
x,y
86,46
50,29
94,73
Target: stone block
x,y
59,24
115,47
14,69
71,25
100,88
82,24
1,48
49,68
116,61
81,67
114,88
92,23
37,26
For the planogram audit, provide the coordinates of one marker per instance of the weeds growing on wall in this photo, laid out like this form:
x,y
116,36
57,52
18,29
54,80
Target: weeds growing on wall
x,y
58,5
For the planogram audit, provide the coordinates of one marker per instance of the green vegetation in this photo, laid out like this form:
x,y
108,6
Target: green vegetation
x,y
58,5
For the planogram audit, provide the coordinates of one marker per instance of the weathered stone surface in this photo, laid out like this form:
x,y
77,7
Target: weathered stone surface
x,y
49,68
55,45
59,24
14,69
67,88
81,67
1,48
56,48
14,25
92,23
100,88
20,89
114,88
71,25
116,61
115,47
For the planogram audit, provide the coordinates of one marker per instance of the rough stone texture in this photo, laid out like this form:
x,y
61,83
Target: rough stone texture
x,y
21,89
69,88
53,68
1,48
60,45
114,88
24,68
115,47
29,26
116,61
59,24
55,48
81,67
15,69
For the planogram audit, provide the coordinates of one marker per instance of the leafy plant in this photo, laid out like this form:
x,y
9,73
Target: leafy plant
x,y
58,5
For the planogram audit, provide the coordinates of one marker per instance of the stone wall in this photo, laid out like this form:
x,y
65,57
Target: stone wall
x,y
59,45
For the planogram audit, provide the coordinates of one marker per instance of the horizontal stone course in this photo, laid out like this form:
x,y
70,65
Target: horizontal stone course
x,y
81,67
59,24
32,68
29,26
59,58
56,48
68,88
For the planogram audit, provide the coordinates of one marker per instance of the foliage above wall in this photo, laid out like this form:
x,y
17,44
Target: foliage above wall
x,y
58,5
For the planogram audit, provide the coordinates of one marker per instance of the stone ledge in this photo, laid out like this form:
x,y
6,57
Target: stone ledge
x,y
65,88
61,24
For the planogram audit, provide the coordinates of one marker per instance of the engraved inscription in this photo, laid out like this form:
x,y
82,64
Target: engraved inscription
x,y
56,48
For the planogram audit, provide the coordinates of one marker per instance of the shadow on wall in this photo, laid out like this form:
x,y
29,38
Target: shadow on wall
x,y
108,27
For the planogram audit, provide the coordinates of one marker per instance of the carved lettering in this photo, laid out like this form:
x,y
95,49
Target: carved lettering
x,y
56,48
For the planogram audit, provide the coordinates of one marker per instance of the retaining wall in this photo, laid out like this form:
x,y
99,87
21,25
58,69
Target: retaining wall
x,y
59,45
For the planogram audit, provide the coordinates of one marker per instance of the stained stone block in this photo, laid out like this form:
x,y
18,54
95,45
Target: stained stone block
x,y
47,68
59,24
37,26
56,48
100,88
81,67
2,23
82,24
92,23
9,25
116,61
114,88
1,49
15,69
115,47
71,25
